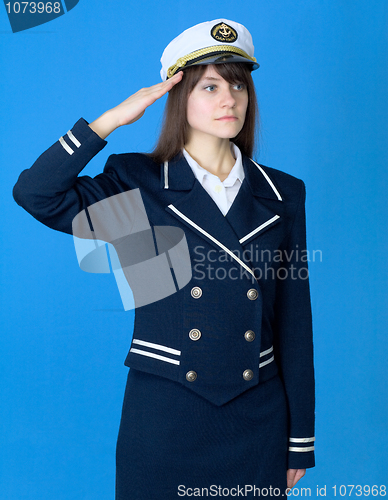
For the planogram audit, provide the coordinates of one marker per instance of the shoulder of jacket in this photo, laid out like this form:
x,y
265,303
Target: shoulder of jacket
x,y
290,186
135,162
282,177
134,169
134,159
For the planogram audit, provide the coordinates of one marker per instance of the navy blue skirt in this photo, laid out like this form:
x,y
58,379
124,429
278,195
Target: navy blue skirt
x,y
173,443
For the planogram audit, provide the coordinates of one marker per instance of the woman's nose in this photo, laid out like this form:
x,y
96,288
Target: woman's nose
x,y
227,98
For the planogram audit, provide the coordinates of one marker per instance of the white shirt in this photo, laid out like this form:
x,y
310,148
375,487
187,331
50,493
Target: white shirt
x,y
223,193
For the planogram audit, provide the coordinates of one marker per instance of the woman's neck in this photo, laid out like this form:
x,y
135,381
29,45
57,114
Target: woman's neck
x,y
214,155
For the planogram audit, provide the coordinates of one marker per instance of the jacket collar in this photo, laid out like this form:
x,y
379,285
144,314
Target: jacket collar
x,y
247,218
177,175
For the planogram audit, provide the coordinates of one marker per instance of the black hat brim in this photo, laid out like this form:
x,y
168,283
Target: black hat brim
x,y
225,57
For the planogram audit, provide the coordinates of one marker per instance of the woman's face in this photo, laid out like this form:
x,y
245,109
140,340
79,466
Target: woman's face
x,y
216,107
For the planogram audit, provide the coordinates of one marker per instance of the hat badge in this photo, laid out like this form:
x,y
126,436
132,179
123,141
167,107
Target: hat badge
x,y
222,32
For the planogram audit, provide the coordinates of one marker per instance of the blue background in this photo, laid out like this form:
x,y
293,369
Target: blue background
x,y
322,89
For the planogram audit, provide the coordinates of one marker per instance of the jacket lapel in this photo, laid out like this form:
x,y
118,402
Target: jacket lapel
x,y
245,220
249,216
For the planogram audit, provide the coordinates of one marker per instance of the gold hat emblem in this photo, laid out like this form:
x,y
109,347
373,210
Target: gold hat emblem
x,y
223,33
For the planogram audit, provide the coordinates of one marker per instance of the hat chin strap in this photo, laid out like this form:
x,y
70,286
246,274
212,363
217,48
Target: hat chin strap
x,y
197,55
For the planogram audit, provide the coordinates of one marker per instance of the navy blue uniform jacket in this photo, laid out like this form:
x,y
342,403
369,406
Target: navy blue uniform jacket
x,y
263,289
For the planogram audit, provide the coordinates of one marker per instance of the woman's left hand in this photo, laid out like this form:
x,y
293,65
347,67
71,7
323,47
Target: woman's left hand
x,y
293,476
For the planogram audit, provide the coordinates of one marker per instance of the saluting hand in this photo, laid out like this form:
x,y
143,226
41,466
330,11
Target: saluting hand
x,y
133,108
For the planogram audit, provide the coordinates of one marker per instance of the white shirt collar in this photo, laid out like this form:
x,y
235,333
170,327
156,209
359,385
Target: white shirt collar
x,y
237,171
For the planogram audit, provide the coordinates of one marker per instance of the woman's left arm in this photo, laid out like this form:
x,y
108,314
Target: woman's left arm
x,y
293,339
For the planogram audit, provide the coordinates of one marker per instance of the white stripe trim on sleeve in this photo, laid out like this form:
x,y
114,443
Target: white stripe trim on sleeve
x,y
302,440
262,226
156,346
304,448
264,353
65,146
73,139
264,363
212,239
152,355
269,181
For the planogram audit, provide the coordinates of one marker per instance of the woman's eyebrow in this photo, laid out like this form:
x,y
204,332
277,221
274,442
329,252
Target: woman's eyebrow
x,y
209,78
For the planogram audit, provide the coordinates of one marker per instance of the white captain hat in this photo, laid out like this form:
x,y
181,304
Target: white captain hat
x,y
212,42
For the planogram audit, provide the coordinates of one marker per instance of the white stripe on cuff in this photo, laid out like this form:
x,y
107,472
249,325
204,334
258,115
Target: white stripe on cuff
x,y
65,146
304,448
266,362
264,353
302,440
73,139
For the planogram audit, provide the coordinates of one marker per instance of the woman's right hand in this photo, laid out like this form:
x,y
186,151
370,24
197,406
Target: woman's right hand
x,y
132,108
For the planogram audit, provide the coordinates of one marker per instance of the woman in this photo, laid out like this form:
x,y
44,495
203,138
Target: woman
x,y
220,395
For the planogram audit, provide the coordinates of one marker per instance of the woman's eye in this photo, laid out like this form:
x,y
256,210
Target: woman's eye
x,y
210,88
239,86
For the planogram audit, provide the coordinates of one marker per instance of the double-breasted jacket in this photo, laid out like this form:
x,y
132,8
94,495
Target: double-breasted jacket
x,y
245,315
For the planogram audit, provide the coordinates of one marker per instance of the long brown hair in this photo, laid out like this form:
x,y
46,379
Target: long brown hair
x,y
174,131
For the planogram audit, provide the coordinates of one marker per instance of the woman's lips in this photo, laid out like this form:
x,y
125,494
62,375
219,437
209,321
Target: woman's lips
x,y
227,118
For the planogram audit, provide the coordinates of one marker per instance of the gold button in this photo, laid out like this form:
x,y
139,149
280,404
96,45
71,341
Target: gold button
x,y
196,292
195,334
249,335
252,294
191,376
248,374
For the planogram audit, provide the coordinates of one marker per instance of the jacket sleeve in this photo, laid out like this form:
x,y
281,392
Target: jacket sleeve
x,y
294,343
51,190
